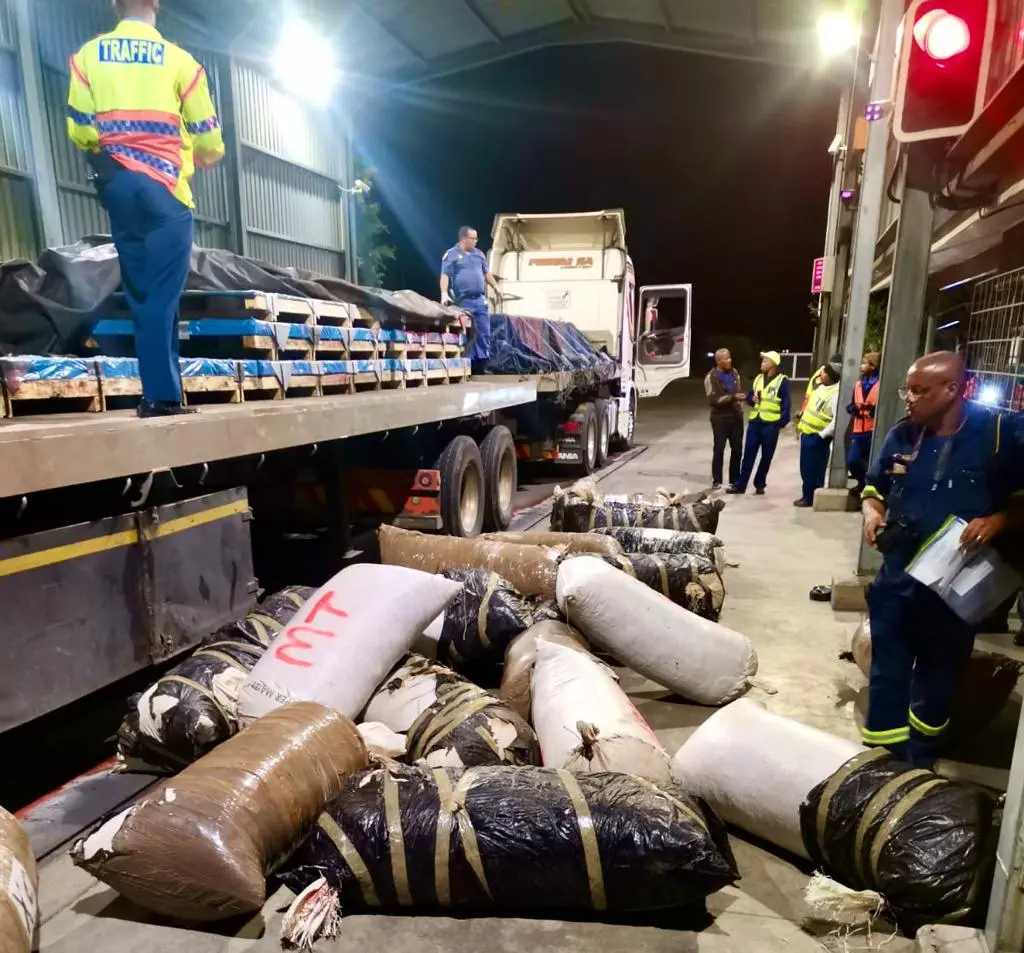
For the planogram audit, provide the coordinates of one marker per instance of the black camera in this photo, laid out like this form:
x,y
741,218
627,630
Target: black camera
x,y
899,535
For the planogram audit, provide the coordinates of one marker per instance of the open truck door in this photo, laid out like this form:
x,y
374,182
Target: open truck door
x,y
663,345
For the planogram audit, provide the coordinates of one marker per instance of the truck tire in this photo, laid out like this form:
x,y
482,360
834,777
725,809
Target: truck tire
x,y
604,431
498,452
589,437
462,488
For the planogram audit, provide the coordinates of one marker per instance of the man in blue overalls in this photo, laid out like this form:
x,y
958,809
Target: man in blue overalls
x,y
945,458
464,280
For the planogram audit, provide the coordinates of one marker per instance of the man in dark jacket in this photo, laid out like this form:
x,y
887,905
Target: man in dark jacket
x,y
724,391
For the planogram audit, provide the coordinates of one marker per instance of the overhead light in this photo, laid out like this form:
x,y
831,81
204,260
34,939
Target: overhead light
x,y
990,394
837,33
304,63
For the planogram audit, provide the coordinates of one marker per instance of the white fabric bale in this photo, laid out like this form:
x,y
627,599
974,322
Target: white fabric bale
x,y
520,656
755,769
585,723
345,639
694,657
381,740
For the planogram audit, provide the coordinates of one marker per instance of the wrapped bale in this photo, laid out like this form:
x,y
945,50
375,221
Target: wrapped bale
x,y
689,581
345,639
755,769
572,544
19,887
512,839
694,657
194,707
585,722
533,570
581,509
925,844
199,847
674,542
517,674
448,721
987,682
487,614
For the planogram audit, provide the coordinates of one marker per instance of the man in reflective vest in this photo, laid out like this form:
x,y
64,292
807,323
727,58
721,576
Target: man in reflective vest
x,y
140,108
862,415
769,402
817,427
947,457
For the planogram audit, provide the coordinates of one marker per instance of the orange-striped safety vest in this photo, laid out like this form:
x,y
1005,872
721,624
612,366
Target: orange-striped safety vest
x,y
864,417
146,103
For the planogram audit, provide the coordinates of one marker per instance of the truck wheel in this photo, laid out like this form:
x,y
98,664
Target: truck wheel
x,y
498,451
462,488
604,431
589,437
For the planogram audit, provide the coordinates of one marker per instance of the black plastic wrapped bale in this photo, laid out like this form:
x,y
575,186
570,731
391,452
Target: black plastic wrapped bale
x,y
640,540
482,620
192,709
448,721
582,510
513,840
689,581
924,843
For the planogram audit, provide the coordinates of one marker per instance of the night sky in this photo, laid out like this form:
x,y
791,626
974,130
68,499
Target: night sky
x,y
721,166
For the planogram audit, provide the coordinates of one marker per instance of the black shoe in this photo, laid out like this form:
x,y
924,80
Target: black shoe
x,y
163,408
1018,639
855,493
735,490
802,503
715,486
821,594
759,492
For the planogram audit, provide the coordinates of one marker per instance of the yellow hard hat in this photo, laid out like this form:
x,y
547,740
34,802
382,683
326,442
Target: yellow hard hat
x,y
772,356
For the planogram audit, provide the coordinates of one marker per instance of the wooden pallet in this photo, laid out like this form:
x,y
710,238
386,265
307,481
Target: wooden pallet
x,y
33,385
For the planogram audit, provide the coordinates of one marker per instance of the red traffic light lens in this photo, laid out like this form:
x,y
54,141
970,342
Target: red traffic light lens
x,y
942,35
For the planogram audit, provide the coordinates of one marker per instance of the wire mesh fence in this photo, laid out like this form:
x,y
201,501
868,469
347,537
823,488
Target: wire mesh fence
x,y
994,349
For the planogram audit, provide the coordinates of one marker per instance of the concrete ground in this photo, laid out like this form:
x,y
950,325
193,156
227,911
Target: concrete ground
x,y
781,553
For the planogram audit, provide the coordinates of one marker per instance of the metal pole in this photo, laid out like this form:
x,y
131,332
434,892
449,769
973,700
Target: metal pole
x,y
872,195
235,159
44,178
904,320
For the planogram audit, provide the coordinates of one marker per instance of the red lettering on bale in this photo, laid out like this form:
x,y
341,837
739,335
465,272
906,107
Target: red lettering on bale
x,y
290,640
323,604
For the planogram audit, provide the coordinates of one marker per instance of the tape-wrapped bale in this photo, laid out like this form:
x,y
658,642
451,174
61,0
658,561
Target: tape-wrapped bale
x,y
517,673
194,707
924,843
572,544
639,540
585,722
699,659
19,887
987,682
200,845
448,721
533,570
581,509
514,839
692,582
487,614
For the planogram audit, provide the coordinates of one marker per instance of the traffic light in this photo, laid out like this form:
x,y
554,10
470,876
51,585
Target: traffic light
x,y
944,59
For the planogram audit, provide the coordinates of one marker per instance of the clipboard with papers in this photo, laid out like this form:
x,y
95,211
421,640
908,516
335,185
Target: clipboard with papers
x,y
972,583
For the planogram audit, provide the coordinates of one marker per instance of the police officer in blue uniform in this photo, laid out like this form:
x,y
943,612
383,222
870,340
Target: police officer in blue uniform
x,y
946,458
464,280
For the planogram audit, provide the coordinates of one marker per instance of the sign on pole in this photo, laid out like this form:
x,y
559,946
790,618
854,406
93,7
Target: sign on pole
x,y
818,276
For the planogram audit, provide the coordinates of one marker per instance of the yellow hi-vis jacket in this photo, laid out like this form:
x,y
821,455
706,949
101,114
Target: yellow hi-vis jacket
x,y
769,407
146,103
819,416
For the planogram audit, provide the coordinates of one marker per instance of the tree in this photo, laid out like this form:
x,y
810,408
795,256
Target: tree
x,y
874,330
373,252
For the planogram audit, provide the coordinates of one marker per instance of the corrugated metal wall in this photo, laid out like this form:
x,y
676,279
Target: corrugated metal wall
x,y
18,223
290,166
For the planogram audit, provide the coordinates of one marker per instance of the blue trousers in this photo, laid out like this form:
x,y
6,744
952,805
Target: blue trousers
x,y
918,649
152,232
477,307
761,438
813,463
859,458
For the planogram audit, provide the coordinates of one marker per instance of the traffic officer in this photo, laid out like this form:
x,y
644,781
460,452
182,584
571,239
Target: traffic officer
x,y
464,280
768,398
946,458
862,414
140,108
817,426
